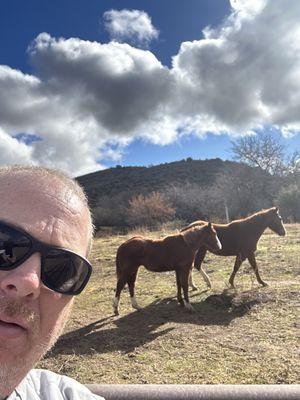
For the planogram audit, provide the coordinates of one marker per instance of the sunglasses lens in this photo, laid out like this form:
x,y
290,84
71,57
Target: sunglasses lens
x,y
14,246
65,272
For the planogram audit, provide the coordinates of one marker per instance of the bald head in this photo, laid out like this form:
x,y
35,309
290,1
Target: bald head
x,y
45,201
52,209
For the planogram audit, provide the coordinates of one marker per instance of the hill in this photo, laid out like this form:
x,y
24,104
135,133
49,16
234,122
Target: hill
x,y
135,180
186,190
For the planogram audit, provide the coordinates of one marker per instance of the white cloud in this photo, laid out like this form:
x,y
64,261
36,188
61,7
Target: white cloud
x,y
247,7
13,151
134,26
246,72
84,97
87,101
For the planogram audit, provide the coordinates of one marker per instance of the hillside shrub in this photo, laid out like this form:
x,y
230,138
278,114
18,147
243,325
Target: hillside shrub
x,y
149,211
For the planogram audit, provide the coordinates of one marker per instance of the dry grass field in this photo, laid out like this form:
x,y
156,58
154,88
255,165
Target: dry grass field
x,y
242,336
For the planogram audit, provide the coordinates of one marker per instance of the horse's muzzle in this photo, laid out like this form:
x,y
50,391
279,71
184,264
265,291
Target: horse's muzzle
x,y
282,232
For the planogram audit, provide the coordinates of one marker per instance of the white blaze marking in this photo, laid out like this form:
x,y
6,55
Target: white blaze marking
x,y
219,244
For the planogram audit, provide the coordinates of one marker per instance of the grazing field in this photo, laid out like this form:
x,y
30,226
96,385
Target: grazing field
x,y
246,335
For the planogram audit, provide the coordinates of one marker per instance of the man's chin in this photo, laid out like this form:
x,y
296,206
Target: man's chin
x,y
14,369
16,362
19,355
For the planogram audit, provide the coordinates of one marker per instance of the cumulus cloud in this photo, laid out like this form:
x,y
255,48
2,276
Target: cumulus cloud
x,y
12,149
87,101
134,26
245,73
247,7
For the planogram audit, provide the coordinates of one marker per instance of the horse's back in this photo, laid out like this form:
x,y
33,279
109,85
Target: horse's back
x,y
236,238
165,254
132,249
241,236
156,255
231,236
141,250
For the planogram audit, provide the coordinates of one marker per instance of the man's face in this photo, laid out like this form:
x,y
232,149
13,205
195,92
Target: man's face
x,y
31,315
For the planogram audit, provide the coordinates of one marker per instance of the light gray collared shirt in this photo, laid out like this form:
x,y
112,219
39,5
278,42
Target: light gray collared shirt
x,y
40,384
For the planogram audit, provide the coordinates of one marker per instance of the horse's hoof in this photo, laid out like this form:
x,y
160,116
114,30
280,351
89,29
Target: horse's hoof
x,y
264,284
135,304
189,307
115,307
194,288
137,308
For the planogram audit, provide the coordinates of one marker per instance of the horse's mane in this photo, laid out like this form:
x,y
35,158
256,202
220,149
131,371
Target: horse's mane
x,y
250,217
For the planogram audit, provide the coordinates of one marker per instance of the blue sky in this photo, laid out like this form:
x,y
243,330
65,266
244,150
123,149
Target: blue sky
x,y
178,21
86,85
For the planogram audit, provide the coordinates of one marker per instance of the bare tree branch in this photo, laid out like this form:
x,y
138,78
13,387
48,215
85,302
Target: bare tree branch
x,y
263,150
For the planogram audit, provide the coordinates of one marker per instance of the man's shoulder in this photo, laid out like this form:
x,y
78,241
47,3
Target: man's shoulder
x,y
41,384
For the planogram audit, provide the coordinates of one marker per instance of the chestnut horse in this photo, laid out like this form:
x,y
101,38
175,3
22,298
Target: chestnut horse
x,y
239,238
172,253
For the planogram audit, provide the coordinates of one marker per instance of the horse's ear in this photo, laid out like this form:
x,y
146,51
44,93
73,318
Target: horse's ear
x,y
209,225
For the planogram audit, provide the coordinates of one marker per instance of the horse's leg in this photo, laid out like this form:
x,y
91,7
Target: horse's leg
x,y
184,278
198,264
238,262
191,282
131,285
179,295
252,261
120,285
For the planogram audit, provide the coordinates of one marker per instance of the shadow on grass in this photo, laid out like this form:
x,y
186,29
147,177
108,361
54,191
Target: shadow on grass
x,y
129,332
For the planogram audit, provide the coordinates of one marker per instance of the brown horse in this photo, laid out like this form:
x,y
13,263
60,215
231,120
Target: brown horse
x,y
239,238
172,253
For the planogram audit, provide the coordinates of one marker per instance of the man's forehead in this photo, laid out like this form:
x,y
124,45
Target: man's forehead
x,y
33,192
33,200
36,199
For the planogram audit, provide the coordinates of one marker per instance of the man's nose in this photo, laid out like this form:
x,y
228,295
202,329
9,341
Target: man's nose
x,y
23,281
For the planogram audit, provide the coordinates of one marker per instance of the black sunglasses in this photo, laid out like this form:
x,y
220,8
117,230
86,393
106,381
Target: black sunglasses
x,y
62,270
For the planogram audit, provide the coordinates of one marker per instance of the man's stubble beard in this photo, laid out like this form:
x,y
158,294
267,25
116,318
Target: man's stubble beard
x,y
13,371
